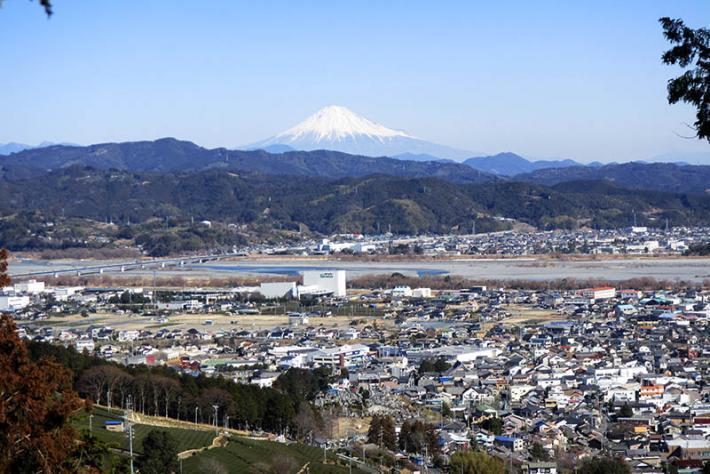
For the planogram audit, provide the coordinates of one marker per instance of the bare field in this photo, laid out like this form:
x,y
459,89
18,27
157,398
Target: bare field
x,y
184,321
343,427
527,316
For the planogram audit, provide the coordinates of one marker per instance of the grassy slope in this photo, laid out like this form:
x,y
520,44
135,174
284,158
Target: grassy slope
x,y
239,456
187,439
247,455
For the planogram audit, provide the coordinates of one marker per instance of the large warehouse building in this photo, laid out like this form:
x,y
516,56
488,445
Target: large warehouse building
x,y
315,283
323,282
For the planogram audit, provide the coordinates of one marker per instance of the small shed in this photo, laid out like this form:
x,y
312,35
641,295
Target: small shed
x,y
113,425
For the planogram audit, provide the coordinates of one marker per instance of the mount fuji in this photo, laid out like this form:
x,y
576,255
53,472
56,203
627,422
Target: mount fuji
x,y
340,129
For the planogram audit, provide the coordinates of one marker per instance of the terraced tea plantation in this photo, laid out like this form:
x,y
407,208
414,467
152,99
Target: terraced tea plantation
x,y
186,439
239,456
248,455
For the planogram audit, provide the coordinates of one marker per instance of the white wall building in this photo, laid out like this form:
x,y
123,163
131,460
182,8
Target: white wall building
x,y
329,281
341,356
82,345
63,294
421,293
601,293
30,287
279,289
13,303
180,305
128,335
402,291
265,379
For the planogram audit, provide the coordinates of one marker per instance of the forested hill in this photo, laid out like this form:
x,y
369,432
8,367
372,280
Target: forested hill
x,y
653,176
171,155
406,205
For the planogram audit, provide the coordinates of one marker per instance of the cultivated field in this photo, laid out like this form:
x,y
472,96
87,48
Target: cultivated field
x,y
186,438
238,455
247,455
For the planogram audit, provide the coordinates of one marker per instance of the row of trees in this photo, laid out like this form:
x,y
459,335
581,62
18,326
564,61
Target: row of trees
x,y
159,391
415,436
438,365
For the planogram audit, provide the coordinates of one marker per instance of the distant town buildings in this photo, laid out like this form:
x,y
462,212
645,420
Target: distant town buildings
x,y
569,373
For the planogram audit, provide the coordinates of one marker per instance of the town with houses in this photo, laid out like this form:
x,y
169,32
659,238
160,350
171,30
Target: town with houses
x,y
539,378
355,237
634,240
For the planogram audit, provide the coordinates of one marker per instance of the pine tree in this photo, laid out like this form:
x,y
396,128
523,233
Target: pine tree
x,y
36,402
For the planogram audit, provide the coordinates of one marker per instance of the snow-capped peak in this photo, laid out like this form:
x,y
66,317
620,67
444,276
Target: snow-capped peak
x,y
337,128
337,123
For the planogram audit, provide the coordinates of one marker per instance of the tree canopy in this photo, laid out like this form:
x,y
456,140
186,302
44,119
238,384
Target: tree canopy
x,y
415,435
604,465
4,279
538,452
690,51
476,462
159,453
382,432
36,401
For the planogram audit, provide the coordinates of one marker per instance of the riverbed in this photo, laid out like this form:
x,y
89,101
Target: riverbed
x,y
538,269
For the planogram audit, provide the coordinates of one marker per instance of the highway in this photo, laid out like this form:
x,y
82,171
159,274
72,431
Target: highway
x,y
119,267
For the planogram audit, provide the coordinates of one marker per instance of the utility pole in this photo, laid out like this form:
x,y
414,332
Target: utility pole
x,y
127,417
511,459
216,426
380,446
350,451
426,455
155,293
196,408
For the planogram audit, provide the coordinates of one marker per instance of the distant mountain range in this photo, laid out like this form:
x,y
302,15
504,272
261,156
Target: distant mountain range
x,y
635,175
510,164
340,129
171,155
330,129
9,148
170,182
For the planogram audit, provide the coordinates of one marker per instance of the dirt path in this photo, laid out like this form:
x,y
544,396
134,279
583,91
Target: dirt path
x,y
220,441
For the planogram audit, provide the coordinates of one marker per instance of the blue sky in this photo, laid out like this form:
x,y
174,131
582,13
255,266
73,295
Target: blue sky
x,y
579,80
